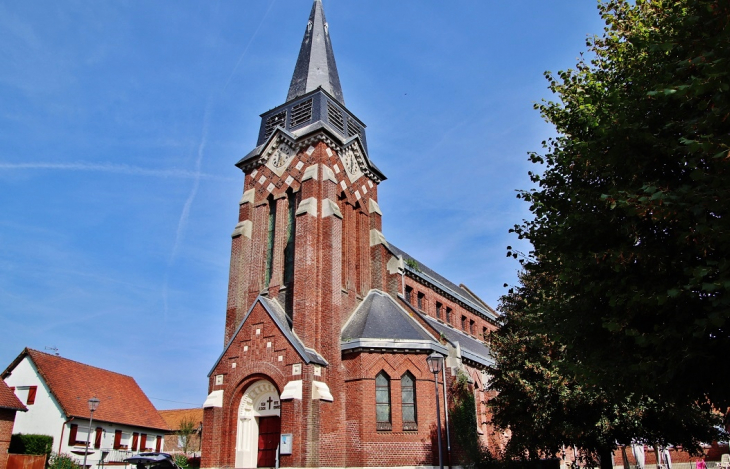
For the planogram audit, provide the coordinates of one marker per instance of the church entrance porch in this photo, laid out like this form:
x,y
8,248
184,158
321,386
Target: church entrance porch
x,y
259,426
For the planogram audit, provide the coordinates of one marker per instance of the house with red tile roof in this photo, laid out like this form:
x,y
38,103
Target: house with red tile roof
x,y
9,405
174,442
56,391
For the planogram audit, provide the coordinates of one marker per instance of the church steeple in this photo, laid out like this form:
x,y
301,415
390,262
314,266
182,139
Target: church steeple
x,y
316,63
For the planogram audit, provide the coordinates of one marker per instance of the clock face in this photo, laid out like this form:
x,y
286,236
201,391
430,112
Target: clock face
x,y
280,158
352,168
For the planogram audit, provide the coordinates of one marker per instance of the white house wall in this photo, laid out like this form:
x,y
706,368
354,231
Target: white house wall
x,y
45,417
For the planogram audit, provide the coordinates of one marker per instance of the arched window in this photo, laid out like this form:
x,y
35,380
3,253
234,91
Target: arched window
x,y
408,401
271,236
290,236
382,402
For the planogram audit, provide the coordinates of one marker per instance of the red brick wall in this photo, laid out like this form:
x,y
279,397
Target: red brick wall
x,y
7,418
334,268
431,297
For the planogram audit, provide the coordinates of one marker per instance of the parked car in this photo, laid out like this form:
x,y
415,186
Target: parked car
x,y
153,461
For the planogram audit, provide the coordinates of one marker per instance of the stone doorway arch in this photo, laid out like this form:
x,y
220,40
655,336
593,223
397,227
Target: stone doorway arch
x,y
259,408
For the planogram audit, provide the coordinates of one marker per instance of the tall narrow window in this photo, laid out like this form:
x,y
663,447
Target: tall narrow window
x,y
382,402
419,299
409,294
472,328
439,308
290,233
271,239
408,402
485,334
448,315
463,323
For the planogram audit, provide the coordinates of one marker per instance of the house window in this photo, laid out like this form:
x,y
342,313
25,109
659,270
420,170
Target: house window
x,y
143,443
472,327
117,439
409,294
448,315
485,333
408,402
419,299
135,441
158,444
463,323
382,402
439,307
31,395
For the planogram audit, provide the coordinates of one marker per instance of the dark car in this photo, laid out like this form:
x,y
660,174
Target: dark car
x,y
153,461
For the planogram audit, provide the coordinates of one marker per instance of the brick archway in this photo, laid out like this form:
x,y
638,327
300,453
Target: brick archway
x,y
259,403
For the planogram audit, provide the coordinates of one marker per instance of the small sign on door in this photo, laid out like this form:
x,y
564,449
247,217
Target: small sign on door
x,y
285,445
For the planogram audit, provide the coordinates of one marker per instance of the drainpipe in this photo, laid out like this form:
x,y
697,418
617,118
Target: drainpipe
x,y
63,427
446,413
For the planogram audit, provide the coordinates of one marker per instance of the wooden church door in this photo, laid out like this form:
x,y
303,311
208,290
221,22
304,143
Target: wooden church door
x,y
269,434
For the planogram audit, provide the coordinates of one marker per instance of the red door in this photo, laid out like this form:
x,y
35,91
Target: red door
x,y
269,433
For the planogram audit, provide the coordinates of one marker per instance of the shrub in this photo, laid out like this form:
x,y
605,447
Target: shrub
x,y
30,444
63,461
181,460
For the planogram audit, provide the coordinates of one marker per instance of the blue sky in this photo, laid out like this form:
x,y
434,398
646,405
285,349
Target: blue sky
x,y
120,123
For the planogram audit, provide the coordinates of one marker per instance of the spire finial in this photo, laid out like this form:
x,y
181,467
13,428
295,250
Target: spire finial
x,y
316,62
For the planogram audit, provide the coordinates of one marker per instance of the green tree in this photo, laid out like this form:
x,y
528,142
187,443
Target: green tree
x,y
630,216
185,432
546,406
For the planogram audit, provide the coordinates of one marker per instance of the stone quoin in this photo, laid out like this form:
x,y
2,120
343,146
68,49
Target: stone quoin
x,y
328,325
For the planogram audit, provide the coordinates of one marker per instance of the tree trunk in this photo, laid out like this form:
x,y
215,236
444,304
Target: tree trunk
x,y
606,456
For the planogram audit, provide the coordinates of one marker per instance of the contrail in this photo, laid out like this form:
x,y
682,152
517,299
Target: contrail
x,y
113,168
183,221
247,46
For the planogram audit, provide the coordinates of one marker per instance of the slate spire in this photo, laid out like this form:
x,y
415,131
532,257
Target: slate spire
x,y
316,63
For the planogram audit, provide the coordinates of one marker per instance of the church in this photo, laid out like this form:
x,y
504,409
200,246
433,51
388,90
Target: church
x,y
328,325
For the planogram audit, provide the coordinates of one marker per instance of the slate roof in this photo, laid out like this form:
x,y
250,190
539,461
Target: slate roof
x,y
471,348
72,384
316,62
429,275
8,399
174,417
283,322
379,322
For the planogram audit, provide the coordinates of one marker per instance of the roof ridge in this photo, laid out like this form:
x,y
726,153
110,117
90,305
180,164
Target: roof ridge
x,y
77,362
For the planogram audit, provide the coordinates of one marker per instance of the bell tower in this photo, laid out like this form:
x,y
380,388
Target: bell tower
x,y
308,247
309,202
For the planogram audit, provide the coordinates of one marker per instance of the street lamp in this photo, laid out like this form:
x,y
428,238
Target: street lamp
x,y
435,360
93,404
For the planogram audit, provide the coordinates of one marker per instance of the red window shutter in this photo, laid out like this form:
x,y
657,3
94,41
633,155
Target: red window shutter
x,y
143,442
117,439
158,444
135,441
97,438
31,395
72,434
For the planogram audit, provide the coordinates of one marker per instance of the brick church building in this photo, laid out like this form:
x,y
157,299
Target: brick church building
x,y
328,326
